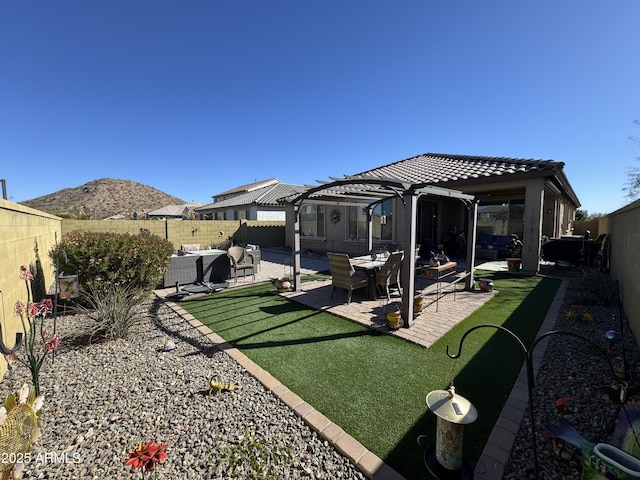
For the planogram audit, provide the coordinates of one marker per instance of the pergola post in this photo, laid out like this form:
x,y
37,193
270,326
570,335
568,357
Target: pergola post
x,y
471,244
533,208
369,228
410,200
296,249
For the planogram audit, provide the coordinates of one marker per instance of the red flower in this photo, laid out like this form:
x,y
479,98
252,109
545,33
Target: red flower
x,y
43,307
25,274
33,310
146,455
134,457
19,307
51,342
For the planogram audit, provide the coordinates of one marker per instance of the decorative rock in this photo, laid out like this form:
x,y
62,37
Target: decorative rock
x,y
575,369
106,397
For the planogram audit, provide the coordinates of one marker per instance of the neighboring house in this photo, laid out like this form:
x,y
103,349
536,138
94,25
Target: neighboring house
x,y
256,201
185,211
530,198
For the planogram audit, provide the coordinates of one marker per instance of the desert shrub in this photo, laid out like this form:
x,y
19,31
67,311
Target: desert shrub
x,y
102,259
109,313
254,458
599,284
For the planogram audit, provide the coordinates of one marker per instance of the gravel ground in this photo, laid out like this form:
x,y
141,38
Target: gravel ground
x,y
104,398
577,370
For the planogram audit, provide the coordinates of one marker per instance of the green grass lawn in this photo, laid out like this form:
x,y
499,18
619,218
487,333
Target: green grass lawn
x,y
374,385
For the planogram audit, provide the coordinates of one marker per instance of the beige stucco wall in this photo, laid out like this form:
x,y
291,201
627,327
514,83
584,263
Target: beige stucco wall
x,y
624,227
596,227
22,231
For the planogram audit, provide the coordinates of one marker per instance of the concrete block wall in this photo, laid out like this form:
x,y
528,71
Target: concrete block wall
x,y
26,237
208,233
594,226
624,228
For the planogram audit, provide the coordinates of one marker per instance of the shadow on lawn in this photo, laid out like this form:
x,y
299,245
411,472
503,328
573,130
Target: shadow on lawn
x,y
496,360
228,306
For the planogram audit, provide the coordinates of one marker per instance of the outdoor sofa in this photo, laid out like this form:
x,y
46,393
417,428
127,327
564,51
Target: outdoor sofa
x,y
190,266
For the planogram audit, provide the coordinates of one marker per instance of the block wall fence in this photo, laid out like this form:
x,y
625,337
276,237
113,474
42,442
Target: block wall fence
x,y
208,233
624,227
26,237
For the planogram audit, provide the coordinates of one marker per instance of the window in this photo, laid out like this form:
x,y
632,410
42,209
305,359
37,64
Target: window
x,y
501,218
381,222
312,220
357,223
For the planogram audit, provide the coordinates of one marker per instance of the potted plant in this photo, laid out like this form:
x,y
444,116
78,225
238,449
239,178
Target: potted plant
x,y
514,248
394,319
418,304
485,284
282,284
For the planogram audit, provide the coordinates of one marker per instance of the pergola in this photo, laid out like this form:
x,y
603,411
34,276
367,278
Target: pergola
x,y
370,191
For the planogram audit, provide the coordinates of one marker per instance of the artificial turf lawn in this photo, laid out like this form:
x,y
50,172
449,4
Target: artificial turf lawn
x,y
374,385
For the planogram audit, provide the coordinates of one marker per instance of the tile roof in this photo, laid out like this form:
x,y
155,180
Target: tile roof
x,y
173,210
436,168
269,195
450,172
249,187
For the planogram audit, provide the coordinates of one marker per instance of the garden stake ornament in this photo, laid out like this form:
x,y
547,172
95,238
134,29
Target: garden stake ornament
x,y
217,387
18,429
599,460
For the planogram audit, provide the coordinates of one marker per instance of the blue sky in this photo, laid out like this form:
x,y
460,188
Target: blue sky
x,y
196,97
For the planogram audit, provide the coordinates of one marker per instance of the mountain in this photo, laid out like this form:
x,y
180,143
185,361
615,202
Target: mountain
x,y
103,198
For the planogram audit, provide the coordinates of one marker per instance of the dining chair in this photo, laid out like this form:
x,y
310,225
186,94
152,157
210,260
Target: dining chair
x,y
225,245
241,259
389,273
343,275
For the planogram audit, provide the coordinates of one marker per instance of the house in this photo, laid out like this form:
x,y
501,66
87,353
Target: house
x,y
437,201
255,201
530,198
186,211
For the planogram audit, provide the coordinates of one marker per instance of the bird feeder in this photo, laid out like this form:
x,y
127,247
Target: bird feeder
x,y
445,461
68,286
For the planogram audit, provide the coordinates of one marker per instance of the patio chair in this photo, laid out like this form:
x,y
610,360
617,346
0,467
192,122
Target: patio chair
x,y
242,260
225,244
389,273
343,275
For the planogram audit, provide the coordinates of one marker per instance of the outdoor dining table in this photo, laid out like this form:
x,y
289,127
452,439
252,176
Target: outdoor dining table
x,y
370,264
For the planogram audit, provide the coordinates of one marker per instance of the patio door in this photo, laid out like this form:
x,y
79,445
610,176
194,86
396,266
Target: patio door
x,y
427,226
